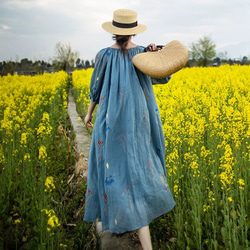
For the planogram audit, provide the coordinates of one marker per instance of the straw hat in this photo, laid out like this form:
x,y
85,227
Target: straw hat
x,y
124,23
162,63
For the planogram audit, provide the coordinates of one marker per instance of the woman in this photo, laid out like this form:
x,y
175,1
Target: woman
x,y
127,186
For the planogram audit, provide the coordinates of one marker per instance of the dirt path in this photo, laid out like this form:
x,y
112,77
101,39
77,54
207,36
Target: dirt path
x,y
83,140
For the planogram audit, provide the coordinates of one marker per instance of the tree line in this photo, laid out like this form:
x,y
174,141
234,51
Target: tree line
x,y
201,53
64,59
28,67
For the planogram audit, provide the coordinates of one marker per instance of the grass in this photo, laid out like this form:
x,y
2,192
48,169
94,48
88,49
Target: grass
x,y
40,208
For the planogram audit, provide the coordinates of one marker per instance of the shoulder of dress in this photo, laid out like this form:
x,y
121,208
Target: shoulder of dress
x,y
141,48
102,54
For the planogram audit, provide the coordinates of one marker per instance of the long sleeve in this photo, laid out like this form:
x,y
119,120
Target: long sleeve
x,y
98,76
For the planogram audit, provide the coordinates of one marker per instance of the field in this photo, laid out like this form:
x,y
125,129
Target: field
x,y
205,114
36,202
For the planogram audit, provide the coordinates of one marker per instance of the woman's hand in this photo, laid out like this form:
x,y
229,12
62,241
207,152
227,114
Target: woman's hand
x,y
87,121
89,116
152,47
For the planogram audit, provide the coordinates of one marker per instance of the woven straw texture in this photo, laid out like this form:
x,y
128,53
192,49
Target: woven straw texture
x,y
124,16
162,63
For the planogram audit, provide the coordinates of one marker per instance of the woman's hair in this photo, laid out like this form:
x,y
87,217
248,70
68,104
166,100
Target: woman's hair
x,y
122,41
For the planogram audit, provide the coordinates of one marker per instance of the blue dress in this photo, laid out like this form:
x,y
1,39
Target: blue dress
x,y
126,185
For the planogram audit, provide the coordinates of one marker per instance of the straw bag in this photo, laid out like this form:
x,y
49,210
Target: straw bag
x,y
163,63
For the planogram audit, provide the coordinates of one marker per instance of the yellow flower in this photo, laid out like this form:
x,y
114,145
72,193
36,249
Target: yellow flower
x,y
44,127
230,199
49,183
211,196
17,221
62,245
52,219
206,207
241,183
42,153
26,157
23,139
2,158
204,152
194,165
176,190
227,162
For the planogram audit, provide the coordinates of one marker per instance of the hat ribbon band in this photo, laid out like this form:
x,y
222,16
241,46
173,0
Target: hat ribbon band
x,y
124,25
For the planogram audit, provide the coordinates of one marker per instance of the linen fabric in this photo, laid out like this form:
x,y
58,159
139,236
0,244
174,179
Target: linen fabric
x,y
126,185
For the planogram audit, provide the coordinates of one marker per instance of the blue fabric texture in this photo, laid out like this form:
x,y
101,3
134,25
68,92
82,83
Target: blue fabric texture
x,y
126,186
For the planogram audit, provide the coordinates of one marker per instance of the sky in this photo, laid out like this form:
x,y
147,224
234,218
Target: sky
x,y
32,28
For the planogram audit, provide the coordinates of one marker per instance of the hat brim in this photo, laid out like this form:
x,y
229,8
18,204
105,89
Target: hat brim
x,y
163,63
109,27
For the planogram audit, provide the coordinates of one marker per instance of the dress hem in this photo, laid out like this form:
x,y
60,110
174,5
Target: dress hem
x,y
133,228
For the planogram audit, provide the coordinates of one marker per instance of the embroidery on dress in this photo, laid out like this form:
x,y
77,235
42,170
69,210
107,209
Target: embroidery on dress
x,y
105,203
89,197
150,168
109,180
123,140
100,105
145,120
122,94
96,84
100,149
107,127
108,52
128,194
107,124
161,210
157,115
164,181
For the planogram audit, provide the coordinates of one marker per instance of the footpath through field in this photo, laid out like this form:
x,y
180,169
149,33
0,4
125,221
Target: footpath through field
x,y
108,241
